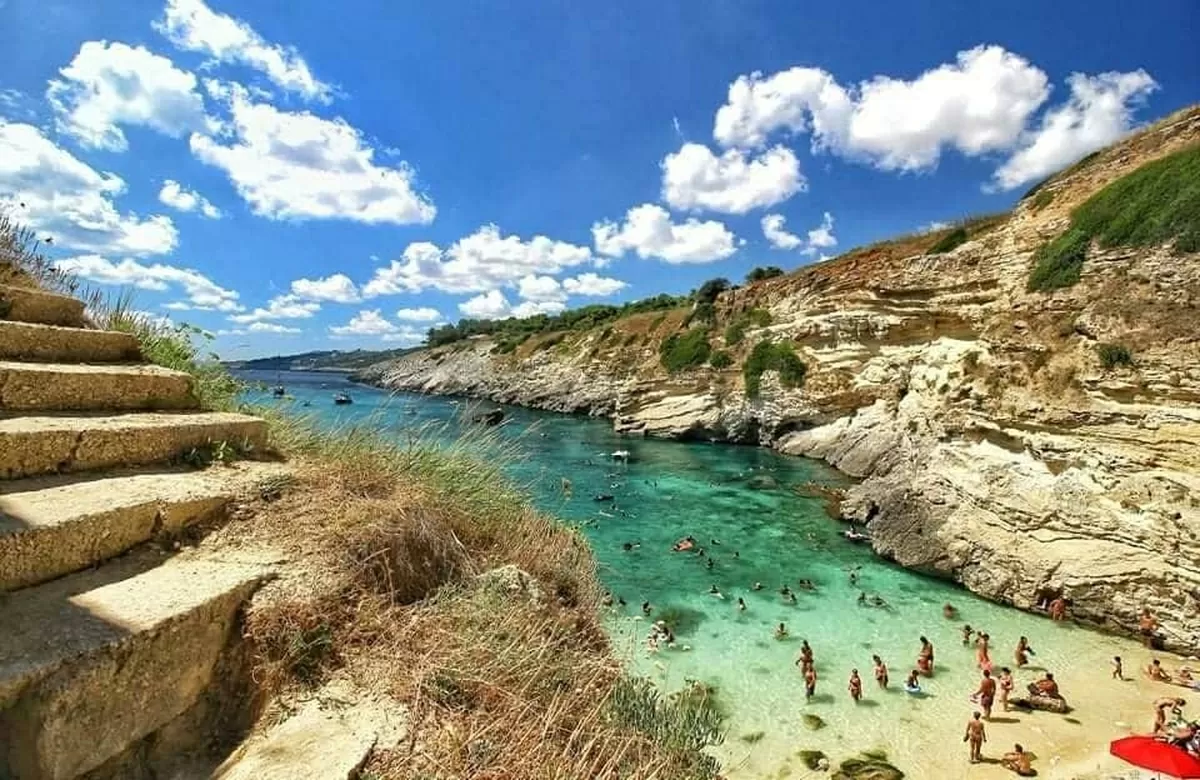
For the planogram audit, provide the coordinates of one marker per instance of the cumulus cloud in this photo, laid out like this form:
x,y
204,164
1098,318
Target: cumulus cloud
x,y
281,307
777,235
192,26
593,285
202,293
336,288
49,189
108,85
821,237
1099,111
980,103
732,183
419,314
296,165
371,322
178,197
542,289
492,305
649,232
483,261
270,327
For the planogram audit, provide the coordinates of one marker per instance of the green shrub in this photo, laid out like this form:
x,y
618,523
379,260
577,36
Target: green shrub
x,y
685,722
735,332
1156,204
759,317
951,240
759,274
685,350
1060,262
768,356
708,292
720,359
1113,355
1043,199
702,312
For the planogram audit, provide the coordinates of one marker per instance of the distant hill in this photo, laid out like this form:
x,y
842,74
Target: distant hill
x,y
324,360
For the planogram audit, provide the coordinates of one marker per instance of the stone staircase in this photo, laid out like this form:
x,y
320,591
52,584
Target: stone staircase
x,y
107,643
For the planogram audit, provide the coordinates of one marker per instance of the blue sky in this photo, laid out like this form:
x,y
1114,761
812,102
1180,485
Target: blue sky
x,y
312,175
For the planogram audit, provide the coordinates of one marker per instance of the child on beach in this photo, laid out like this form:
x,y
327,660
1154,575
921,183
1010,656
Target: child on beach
x,y
1117,672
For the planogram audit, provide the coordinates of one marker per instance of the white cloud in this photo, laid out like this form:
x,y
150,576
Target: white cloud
x,y
932,226
192,26
821,237
281,307
202,293
777,235
420,314
978,104
295,165
593,285
649,232
270,327
336,288
542,289
113,84
490,305
532,308
371,322
695,178
483,261
177,196
53,192
1099,111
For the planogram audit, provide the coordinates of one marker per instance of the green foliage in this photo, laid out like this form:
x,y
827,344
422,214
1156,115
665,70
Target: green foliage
x,y
768,356
685,723
1113,355
702,312
760,273
955,238
736,330
1060,262
708,292
720,359
685,350
22,262
1156,204
517,330
1043,199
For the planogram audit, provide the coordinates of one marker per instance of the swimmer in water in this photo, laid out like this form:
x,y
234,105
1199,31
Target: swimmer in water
x,y
855,686
757,586
785,591
741,604
709,563
862,597
807,585
791,598
948,611
715,591
967,631
608,599
646,608
881,672
1021,654
781,631
620,601
714,542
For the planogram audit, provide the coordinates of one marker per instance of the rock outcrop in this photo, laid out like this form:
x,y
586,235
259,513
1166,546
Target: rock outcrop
x,y
993,444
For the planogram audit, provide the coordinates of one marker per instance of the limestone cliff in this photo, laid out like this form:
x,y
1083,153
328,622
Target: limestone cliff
x,y
993,444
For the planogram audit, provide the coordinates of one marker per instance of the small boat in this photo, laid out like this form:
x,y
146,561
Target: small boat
x,y
279,391
856,536
341,399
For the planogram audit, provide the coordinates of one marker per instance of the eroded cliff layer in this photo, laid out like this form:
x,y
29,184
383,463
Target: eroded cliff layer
x,y
1026,443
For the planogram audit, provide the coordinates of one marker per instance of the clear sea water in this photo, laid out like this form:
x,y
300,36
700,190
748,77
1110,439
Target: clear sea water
x,y
773,536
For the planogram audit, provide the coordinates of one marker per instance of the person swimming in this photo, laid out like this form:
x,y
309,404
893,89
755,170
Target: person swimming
x,y
967,631
646,608
948,611
862,598
912,684
785,591
757,586
781,631
741,604
709,564
807,585
683,545
1022,653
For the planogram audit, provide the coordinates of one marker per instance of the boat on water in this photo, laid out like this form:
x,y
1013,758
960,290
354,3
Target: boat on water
x,y
341,399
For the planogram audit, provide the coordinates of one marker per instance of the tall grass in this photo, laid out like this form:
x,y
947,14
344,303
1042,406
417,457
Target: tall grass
x,y
24,264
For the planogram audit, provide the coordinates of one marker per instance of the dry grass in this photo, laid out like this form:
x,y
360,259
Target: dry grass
x,y
386,544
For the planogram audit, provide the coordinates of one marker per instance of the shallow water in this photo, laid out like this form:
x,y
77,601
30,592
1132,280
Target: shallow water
x,y
773,536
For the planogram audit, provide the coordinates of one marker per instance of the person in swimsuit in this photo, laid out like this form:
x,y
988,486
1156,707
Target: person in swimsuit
x,y
1155,672
925,658
646,608
1006,686
806,655
781,631
855,686
949,612
810,681
741,604
1021,654
757,586
976,735
1147,625
1160,712
1018,761
912,684
967,631
986,694
881,672
1118,672
983,658
1058,609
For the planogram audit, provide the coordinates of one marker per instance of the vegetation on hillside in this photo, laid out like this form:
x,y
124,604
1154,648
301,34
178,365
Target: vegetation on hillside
x,y
952,240
22,262
769,356
735,331
964,230
760,273
325,359
688,349
1157,203
1113,355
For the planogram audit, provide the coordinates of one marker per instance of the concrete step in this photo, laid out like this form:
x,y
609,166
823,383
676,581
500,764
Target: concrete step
x,y
30,446
94,662
54,344
23,304
51,526
66,387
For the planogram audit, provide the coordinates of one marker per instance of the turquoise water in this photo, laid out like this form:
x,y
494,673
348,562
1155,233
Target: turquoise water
x,y
769,535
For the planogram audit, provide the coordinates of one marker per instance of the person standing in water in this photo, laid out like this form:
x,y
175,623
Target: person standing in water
x,y
976,735
925,658
881,672
1021,655
982,657
810,681
1006,686
855,686
967,631
781,632
986,693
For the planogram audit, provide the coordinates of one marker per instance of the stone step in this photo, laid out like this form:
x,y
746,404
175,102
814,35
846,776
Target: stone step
x,y
66,387
23,304
55,344
51,526
94,662
30,446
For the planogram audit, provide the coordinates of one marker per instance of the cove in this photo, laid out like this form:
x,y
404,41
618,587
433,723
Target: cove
x,y
744,498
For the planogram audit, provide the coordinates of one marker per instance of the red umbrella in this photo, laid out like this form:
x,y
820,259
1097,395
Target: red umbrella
x,y
1149,753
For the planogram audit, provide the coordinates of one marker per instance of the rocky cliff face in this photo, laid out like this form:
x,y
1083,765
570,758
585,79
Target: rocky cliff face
x,y
992,444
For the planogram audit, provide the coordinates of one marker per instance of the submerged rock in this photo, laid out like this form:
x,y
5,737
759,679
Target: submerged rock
x,y
762,482
490,417
867,769
812,722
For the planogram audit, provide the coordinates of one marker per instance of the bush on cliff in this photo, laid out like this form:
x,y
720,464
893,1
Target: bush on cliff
x,y
1156,204
760,273
952,240
768,356
736,330
1113,355
685,350
720,359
